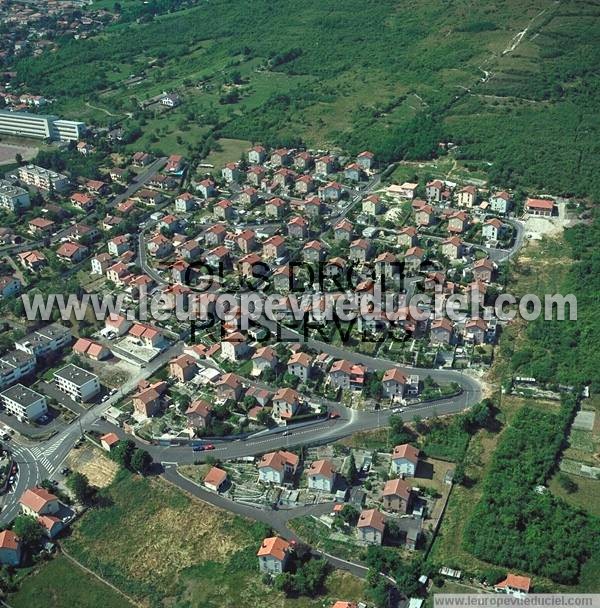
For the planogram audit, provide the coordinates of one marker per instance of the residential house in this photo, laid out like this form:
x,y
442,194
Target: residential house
x,y
198,415
275,208
405,459
148,335
304,161
313,251
96,186
393,383
441,331
159,246
342,231
458,222
82,200
72,252
282,278
215,479
300,365
255,175
452,248
206,188
229,386
186,202
246,240
304,184
492,229
397,496
467,196
475,330
413,258
276,467
248,197
433,190
10,548
41,226
286,177
117,324
322,476
235,347
346,375
331,192
44,506
9,286
231,172
264,358
325,165
175,164
274,247
215,235
360,250
224,210
366,160
297,227
514,584
141,159
273,555
109,441
406,190
281,158
501,202
483,270
371,527
148,401
91,349
32,260
353,172
119,245
257,155
372,205
183,368
407,237
425,216
286,403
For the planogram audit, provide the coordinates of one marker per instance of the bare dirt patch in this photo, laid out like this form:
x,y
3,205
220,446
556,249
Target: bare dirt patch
x,y
92,462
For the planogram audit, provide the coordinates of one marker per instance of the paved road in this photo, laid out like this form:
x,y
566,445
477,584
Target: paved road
x,y
42,460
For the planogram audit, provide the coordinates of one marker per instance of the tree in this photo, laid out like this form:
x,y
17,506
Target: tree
x,y
141,461
18,159
122,452
352,471
350,514
79,484
28,530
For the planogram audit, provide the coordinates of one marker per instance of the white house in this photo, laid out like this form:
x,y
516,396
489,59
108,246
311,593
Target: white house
x,y
405,459
274,467
321,476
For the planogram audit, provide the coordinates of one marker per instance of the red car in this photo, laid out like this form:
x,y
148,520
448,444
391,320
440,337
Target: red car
x,y
334,414
209,446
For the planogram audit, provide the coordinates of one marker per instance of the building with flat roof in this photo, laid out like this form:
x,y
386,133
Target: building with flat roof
x,y
24,403
12,197
14,365
45,340
76,382
40,126
44,179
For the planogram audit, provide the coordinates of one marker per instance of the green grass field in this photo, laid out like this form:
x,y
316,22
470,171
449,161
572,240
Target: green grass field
x,y
62,584
164,548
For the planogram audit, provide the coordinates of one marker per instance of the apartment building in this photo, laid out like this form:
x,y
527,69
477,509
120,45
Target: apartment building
x,y
45,340
12,197
44,179
76,382
26,404
14,365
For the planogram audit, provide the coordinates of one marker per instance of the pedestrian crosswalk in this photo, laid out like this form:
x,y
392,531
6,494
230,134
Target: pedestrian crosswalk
x,y
41,455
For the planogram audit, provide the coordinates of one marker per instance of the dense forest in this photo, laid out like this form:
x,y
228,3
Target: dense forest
x,y
516,526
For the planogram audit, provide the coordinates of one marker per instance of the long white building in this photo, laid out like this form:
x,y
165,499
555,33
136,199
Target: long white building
x,y
24,403
76,382
12,197
44,179
40,126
